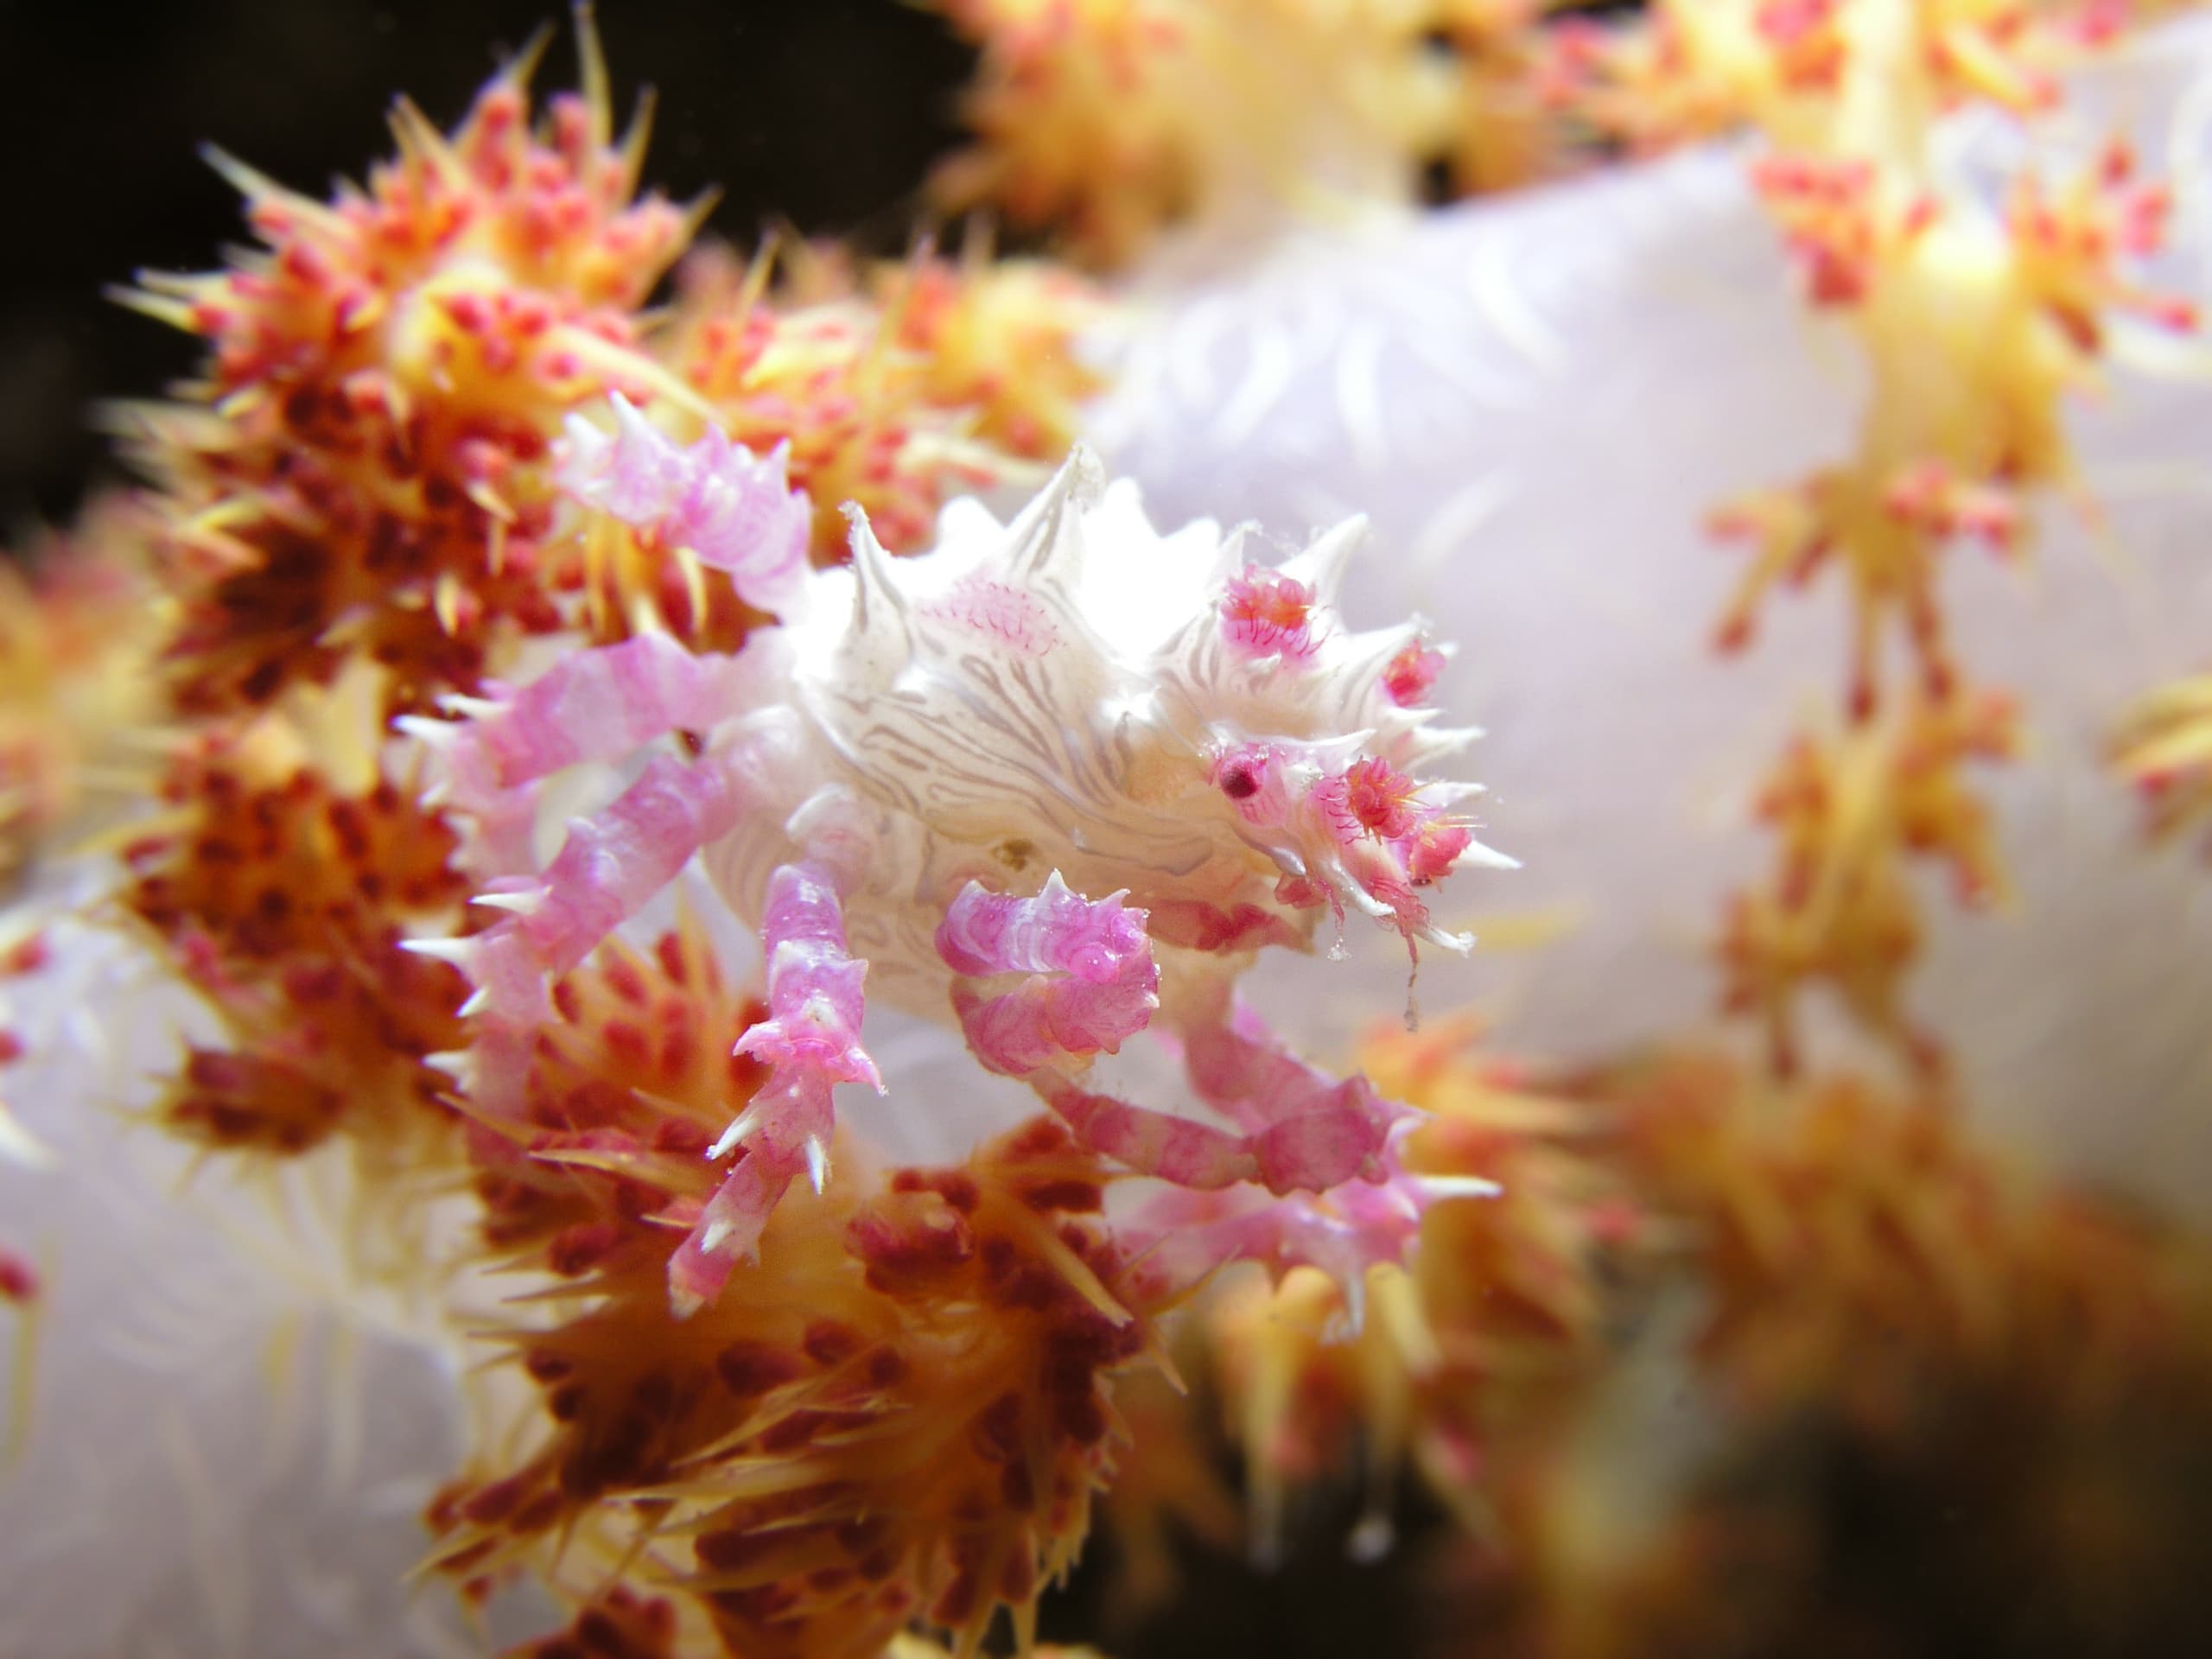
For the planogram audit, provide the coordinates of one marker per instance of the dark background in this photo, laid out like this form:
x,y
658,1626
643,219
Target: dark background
x,y
826,112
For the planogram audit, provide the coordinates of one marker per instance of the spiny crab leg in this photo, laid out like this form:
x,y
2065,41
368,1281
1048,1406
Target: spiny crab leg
x,y
595,705
810,1042
1327,1151
733,511
1182,1237
1090,982
1308,1131
610,866
1330,1153
1322,1136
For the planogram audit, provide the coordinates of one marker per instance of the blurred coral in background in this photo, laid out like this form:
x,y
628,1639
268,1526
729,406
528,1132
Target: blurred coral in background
x,y
780,951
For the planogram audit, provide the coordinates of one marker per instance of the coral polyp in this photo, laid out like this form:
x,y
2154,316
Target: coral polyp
x,y
77,629
904,1418
360,466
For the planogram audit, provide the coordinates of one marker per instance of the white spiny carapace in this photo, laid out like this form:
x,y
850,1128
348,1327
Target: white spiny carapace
x,y
1057,780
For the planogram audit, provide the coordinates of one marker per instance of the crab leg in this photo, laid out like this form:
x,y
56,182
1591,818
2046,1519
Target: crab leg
x,y
810,1042
610,865
1307,1131
595,705
1327,1151
1182,1237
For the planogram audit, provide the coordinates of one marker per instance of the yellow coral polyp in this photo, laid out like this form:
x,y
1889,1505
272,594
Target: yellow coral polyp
x,y
1113,119
78,631
1802,71
1851,815
900,1415
2163,747
283,891
1001,338
896,387
361,468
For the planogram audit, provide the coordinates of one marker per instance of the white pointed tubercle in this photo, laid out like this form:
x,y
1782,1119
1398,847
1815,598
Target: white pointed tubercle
x,y
1364,654
1047,536
1434,743
458,953
877,599
1321,567
1458,943
634,425
1333,871
818,1161
528,902
18,1145
459,1063
456,703
436,733
740,1127
1489,857
1439,1188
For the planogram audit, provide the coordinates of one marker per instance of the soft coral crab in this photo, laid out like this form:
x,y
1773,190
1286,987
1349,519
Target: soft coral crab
x,y
1060,778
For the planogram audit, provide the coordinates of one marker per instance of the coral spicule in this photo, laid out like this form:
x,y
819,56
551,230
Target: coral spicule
x,y
824,115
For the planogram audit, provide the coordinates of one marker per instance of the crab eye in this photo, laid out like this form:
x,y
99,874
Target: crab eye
x,y
1240,781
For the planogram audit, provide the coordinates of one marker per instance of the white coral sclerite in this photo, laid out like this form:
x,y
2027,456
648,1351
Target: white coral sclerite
x,y
1055,781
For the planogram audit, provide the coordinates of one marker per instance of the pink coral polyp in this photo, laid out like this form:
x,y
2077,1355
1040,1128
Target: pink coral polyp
x,y
1268,615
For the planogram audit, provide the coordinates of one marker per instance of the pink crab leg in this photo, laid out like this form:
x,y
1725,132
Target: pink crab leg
x,y
1183,1237
810,1042
1177,1149
595,705
1327,1137
1326,1150
610,865
736,511
1310,1132
1093,981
